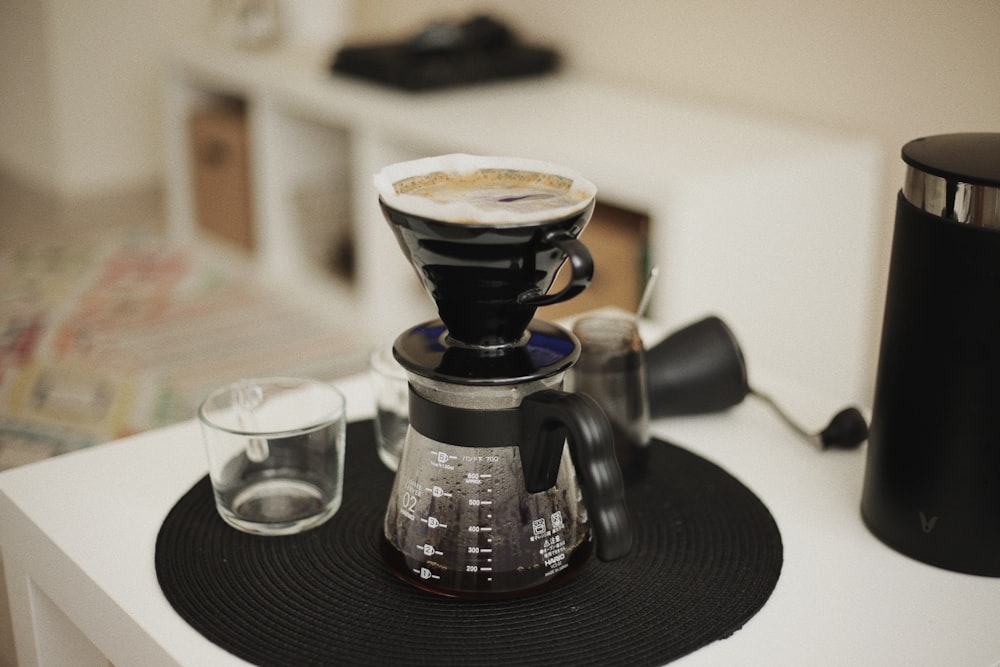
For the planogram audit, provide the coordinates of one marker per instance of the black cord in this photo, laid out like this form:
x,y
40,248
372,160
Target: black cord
x,y
847,430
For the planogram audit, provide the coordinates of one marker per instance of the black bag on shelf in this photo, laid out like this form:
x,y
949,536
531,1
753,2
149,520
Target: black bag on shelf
x,y
447,54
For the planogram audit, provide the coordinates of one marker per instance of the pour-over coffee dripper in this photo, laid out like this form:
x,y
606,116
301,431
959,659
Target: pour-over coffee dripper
x,y
488,270
488,501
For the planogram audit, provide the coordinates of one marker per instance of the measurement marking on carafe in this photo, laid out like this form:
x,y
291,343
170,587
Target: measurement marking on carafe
x,y
424,573
433,522
443,460
429,550
477,477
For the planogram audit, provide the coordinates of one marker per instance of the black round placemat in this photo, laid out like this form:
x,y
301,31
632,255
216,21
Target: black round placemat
x,y
707,555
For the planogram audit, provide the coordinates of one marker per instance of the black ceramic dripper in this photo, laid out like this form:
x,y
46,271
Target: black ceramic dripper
x,y
487,280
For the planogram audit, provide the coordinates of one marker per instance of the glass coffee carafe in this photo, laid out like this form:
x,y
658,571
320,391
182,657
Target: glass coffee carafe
x,y
506,483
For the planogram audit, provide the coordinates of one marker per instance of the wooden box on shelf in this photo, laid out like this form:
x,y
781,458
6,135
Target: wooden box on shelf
x,y
220,156
618,241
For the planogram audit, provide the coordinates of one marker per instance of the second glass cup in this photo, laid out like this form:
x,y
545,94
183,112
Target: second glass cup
x,y
612,371
392,409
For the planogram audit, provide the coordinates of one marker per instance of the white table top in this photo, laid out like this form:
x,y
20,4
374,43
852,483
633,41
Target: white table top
x,y
85,525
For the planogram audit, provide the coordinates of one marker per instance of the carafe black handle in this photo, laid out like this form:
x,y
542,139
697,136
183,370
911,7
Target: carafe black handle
x,y
582,271
548,419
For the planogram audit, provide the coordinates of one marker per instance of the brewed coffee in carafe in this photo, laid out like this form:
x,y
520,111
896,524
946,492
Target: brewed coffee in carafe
x,y
506,484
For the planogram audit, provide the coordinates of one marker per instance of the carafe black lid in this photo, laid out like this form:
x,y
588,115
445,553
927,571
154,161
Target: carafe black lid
x,y
546,350
955,177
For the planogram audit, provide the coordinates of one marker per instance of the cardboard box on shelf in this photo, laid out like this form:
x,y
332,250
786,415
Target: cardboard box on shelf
x,y
220,156
618,241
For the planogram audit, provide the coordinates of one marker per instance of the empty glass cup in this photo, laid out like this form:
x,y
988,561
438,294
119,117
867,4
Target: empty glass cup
x,y
275,451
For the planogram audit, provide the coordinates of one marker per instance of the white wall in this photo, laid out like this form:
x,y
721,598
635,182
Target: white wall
x,y
80,89
27,115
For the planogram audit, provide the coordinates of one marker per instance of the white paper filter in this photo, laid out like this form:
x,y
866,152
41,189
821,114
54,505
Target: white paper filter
x,y
526,191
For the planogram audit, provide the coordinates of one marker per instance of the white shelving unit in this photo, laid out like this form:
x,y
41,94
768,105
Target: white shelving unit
x,y
770,225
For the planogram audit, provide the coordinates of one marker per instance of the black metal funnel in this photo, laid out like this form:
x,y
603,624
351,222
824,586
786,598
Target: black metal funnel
x,y
696,370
